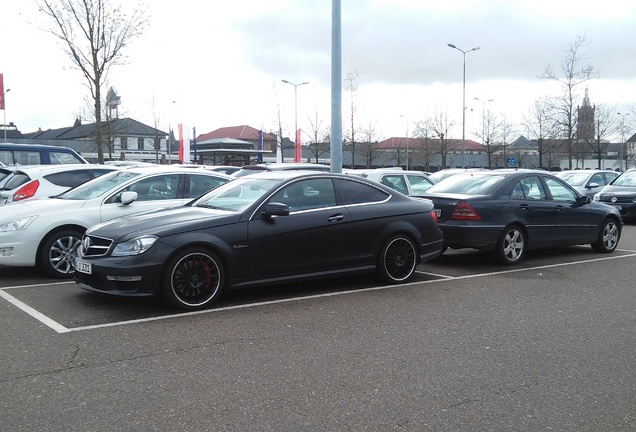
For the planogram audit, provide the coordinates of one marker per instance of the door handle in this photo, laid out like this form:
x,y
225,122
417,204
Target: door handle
x,y
335,218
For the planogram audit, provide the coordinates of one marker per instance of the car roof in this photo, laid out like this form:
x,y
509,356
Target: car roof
x,y
145,169
61,167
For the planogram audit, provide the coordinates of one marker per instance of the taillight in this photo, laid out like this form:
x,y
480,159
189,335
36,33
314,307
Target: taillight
x,y
26,191
434,215
464,211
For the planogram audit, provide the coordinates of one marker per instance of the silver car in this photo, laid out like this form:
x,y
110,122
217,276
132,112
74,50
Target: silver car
x,y
588,182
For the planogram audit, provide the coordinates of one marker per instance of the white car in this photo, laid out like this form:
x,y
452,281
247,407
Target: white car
x,y
405,181
43,181
47,232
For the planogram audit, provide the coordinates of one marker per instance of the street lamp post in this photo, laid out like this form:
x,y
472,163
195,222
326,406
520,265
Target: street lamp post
x,y
464,101
4,111
295,110
621,152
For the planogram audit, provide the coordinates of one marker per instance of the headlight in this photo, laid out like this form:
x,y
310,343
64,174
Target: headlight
x,y
18,224
597,196
135,246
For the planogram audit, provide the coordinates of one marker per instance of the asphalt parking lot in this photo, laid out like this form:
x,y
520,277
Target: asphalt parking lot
x,y
468,345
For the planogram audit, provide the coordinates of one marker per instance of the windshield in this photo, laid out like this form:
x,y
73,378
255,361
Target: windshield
x,y
628,178
99,186
574,178
468,184
237,195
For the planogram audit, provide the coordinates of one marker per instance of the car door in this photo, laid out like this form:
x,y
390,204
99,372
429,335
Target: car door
x,y
153,192
574,222
418,184
312,238
532,205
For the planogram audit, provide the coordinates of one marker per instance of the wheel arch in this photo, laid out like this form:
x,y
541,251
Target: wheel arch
x,y
396,228
52,232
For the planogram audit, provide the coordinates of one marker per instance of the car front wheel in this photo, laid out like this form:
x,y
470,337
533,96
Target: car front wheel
x,y
398,259
57,256
608,237
511,246
193,279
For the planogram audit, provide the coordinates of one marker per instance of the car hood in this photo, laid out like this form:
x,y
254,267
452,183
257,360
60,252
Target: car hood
x,y
619,191
41,207
162,222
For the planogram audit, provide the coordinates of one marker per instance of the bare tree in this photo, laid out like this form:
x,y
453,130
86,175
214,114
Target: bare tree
x,y
351,141
368,147
424,150
506,132
489,135
538,122
94,34
603,129
572,74
319,139
439,125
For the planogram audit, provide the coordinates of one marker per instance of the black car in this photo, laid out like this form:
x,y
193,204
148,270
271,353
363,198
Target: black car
x,y
510,212
621,194
265,228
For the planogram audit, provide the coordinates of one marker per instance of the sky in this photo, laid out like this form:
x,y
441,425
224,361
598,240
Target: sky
x,y
215,64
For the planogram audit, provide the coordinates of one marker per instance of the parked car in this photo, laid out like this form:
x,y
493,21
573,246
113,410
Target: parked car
x,y
284,166
5,174
509,212
408,182
47,232
265,228
621,194
37,154
588,182
43,181
440,175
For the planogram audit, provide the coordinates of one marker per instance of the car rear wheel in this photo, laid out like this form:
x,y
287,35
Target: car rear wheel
x,y
57,256
398,259
511,246
608,237
193,279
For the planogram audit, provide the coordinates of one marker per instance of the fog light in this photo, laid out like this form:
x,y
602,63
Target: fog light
x,y
7,251
124,278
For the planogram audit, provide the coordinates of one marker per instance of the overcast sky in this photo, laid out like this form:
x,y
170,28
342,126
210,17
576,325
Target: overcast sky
x,y
222,62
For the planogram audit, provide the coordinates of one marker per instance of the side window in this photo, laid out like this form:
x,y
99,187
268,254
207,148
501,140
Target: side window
x,y
597,178
419,184
559,191
60,158
307,195
533,188
200,184
358,193
25,157
609,177
396,182
155,188
6,157
69,178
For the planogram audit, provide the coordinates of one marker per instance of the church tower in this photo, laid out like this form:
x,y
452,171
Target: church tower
x,y
585,127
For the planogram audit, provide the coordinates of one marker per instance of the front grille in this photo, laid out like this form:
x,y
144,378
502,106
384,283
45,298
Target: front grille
x,y
95,246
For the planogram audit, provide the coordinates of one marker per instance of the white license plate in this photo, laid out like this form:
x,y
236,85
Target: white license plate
x,y
438,212
83,266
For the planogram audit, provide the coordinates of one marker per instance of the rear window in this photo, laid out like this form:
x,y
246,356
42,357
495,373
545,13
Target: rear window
x,y
16,181
468,184
69,178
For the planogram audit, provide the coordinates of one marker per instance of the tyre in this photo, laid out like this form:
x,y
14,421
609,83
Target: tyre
x,y
193,279
608,237
511,246
57,256
398,259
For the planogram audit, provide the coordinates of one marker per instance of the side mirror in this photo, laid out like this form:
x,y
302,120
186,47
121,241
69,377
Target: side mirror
x,y
592,185
582,200
276,209
128,197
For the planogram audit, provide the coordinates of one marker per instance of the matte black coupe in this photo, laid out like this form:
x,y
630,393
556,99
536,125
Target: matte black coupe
x,y
509,212
265,228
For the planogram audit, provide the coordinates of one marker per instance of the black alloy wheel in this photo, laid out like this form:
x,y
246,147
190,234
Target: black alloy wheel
x,y
398,259
58,253
193,279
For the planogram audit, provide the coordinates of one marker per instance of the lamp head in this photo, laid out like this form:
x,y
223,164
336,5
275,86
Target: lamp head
x,y
452,46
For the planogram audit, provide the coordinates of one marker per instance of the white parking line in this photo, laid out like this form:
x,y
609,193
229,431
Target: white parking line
x,y
59,328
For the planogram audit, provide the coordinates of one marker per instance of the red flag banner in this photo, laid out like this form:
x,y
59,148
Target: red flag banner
x,y
297,152
180,126
1,91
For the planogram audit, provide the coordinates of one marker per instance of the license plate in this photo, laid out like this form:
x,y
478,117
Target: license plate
x,y
83,266
438,212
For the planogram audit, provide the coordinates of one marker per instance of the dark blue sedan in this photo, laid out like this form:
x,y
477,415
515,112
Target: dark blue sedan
x,y
509,212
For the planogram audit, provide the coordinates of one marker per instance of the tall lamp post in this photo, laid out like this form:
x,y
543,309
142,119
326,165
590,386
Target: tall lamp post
x,y
464,102
4,111
295,110
621,152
